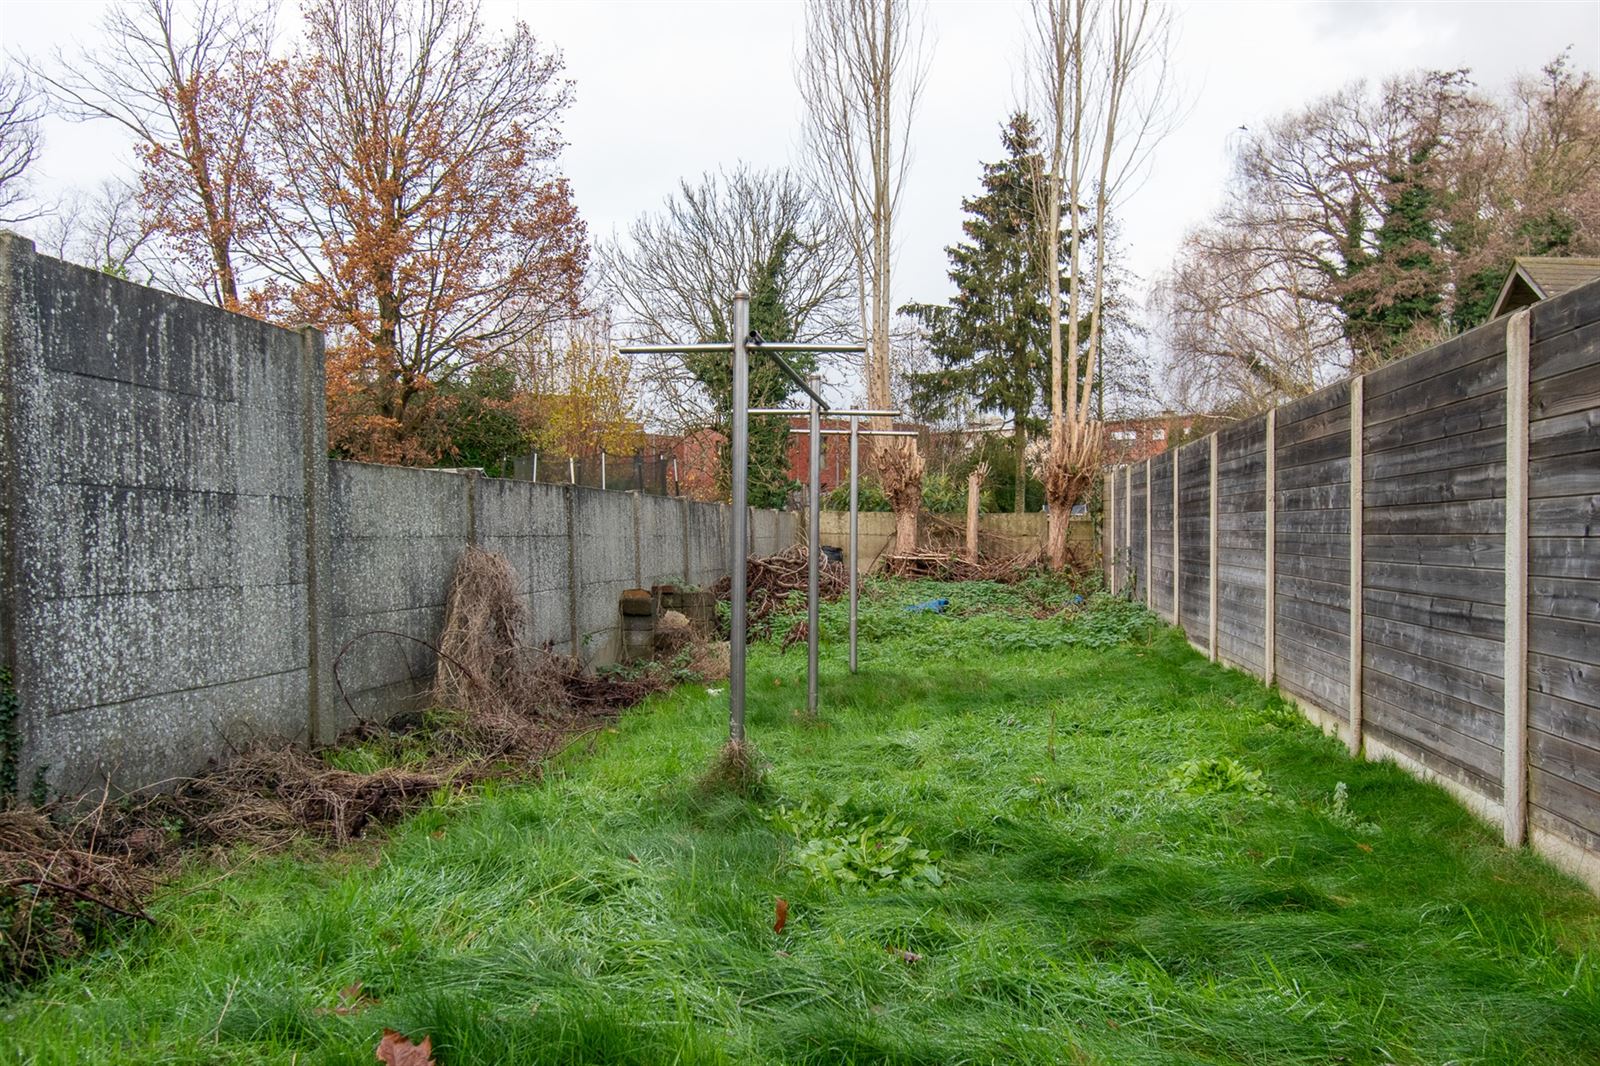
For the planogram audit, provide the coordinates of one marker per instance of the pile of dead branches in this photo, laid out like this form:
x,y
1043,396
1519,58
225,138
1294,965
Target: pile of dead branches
x,y
771,579
59,892
949,566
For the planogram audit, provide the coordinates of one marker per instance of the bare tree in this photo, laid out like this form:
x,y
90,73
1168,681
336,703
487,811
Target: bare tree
x,y
107,230
672,278
1101,68
19,147
861,74
187,81
1249,333
1295,280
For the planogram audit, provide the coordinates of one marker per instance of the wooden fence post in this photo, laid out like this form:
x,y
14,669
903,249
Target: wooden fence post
x,y
1514,778
1212,557
1357,428
1269,647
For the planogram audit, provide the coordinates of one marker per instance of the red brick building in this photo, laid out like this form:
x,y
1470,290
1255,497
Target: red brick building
x,y
1133,440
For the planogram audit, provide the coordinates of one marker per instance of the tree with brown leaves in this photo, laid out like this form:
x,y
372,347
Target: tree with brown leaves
x,y
415,212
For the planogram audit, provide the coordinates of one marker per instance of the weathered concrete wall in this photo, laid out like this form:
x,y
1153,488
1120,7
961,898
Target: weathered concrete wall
x,y
528,523
606,562
162,473
396,533
709,527
181,565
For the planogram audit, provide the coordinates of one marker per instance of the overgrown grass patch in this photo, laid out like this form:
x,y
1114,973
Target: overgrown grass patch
x,y
1130,900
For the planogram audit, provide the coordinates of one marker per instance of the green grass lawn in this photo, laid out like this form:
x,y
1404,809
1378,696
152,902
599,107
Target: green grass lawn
x,y
1143,897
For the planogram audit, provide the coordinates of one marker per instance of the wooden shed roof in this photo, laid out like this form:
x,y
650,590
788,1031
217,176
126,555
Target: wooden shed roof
x,y
1535,278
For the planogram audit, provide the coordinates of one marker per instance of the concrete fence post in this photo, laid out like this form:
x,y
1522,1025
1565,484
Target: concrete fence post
x,y
1149,597
638,546
1269,650
1211,567
683,509
1127,516
322,711
15,740
1177,554
1110,512
1514,777
1357,574
474,532
568,508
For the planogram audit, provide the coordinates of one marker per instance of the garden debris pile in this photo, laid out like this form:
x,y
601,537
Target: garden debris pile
x,y
59,896
949,566
500,708
772,579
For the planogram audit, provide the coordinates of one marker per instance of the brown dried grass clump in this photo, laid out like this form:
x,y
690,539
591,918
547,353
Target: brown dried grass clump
x,y
269,797
485,670
674,632
711,661
738,769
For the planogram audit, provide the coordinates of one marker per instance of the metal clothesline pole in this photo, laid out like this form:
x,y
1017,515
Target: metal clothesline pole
x,y
740,349
856,433
814,546
855,530
741,516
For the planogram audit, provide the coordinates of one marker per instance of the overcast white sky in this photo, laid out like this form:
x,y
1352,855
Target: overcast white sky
x,y
668,89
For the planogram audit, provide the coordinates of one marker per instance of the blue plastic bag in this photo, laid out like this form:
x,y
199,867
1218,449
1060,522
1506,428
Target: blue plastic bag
x,y
936,606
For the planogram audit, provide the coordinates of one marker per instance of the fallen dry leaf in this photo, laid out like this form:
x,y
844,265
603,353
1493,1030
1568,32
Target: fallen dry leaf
x,y
397,1049
783,916
352,1000
1363,847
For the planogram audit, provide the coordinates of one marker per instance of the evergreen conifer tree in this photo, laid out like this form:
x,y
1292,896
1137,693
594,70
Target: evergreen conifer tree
x,y
770,316
992,341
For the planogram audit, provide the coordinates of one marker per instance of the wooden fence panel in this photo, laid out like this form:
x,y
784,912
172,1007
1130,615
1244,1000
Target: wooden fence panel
x,y
1564,567
1434,596
1194,532
1313,549
1161,535
1242,544
1458,590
